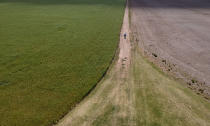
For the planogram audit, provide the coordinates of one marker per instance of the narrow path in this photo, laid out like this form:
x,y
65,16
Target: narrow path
x,y
112,100
136,93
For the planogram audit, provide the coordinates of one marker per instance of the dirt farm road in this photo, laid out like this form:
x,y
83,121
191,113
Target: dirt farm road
x,y
110,95
135,93
177,31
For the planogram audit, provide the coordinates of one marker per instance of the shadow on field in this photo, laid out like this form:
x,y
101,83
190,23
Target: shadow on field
x,y
102,2
170,3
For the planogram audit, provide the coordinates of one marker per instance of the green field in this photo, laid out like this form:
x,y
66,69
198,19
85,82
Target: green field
x,y
52,52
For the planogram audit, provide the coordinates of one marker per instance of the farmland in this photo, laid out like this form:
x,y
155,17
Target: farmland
x,y
135,92
52,52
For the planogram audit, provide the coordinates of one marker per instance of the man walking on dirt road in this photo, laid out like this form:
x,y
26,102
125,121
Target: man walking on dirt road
x,y
124,35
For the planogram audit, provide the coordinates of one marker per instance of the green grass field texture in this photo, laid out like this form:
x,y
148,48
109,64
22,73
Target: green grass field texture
x,y
52,52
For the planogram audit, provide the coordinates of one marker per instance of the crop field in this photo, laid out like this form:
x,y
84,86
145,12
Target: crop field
x,y
52,52
136,92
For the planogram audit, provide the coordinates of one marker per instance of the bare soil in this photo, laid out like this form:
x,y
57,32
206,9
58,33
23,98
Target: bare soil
x,y
175,35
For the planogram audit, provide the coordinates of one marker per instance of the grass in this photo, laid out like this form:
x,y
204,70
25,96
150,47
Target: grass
x,y
52,52
162,101
144,96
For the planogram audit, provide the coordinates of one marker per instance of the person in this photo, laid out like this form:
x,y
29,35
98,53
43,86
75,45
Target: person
x,y
124,35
